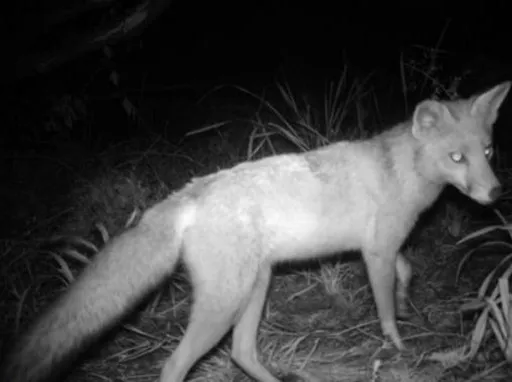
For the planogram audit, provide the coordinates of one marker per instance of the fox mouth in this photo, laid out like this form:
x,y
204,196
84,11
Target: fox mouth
x,y
464,189
479,198
484,202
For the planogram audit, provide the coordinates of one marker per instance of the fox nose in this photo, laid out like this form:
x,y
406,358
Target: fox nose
x,y
495,193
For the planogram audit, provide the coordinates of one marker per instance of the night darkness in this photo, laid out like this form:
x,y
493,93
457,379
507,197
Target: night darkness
x,y
99,101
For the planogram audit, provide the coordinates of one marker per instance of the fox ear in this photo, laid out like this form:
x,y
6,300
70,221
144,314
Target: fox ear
x,y
488,103
427,118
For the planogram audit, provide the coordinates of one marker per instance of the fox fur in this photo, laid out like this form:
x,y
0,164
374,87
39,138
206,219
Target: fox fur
x,y
229,228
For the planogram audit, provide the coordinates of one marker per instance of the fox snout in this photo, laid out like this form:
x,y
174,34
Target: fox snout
x,y
485,195
495,193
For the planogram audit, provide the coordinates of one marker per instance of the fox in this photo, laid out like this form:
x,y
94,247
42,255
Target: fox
x,y
231,227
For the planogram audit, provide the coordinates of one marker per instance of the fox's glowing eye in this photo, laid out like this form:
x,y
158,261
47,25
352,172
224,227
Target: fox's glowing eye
x,y
457,157
488,152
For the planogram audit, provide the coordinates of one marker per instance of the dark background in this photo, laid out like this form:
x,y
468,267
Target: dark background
x,y
195,45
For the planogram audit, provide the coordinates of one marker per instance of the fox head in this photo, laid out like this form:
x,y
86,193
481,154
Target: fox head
x,y
456,138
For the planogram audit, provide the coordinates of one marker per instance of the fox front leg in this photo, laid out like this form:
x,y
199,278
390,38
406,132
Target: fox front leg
x,y
403,276
382,273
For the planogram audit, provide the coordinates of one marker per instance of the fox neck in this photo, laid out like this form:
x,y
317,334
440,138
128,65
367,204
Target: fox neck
x,y
413,168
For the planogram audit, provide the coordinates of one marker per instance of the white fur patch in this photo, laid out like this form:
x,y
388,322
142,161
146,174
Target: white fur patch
x,y
186,217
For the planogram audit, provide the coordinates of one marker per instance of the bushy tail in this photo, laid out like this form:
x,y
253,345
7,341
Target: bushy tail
x,y
120,275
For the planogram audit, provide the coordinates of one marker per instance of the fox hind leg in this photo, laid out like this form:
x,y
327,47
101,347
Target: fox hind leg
x,y
244,349
210,320
219,291
228,290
